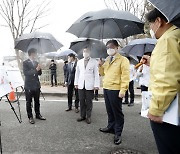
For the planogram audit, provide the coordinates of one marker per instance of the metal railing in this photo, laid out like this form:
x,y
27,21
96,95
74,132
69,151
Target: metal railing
x,y
45,78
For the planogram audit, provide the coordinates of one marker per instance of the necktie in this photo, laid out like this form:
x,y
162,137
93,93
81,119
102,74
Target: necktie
x,y
33,62
111,58
71,66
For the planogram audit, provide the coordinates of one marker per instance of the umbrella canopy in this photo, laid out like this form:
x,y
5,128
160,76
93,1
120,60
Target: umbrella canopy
x,y
139,46
51,55
43,42
60,54
170,9
97,48
66,52
107,24
133,59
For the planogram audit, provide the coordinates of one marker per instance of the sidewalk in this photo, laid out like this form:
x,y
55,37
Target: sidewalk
x,y
62,91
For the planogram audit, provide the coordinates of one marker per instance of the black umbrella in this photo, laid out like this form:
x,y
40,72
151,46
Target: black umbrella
x,y
107,24
170,9
43,42
97,48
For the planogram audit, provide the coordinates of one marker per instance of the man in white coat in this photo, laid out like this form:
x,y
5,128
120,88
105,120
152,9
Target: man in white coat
x,y
86,81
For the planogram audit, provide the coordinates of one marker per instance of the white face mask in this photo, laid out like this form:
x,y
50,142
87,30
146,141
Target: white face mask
x,y
152,34
86,55
69,60
111,52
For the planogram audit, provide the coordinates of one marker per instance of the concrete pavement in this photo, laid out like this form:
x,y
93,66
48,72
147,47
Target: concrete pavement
x,y
62,134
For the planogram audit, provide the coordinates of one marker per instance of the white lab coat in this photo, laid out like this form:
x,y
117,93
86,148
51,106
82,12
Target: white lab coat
x,y
88,77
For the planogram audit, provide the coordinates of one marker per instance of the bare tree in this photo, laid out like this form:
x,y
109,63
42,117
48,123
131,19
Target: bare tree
x,y
137,7
21,16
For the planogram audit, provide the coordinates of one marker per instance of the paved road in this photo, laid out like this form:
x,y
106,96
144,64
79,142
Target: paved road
x,y
61,134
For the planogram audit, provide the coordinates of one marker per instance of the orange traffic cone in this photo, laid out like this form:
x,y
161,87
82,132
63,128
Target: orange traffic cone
x,y
12,97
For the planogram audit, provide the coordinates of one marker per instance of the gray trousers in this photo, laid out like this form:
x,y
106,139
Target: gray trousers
x,y
85,98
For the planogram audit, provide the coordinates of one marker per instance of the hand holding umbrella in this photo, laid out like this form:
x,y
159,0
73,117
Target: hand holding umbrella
x,y
144,60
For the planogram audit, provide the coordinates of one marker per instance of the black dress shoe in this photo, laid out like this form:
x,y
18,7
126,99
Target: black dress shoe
x,y
96,99
68,109
117,140
76,110
80,119
125,103
40,117
88,120
31,121
106,130
131,104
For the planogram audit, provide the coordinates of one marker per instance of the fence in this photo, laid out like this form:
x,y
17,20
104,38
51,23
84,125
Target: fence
x,y
45,78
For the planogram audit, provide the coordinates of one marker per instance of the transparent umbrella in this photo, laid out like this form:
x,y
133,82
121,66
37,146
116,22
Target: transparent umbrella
x,y
62,54
138,47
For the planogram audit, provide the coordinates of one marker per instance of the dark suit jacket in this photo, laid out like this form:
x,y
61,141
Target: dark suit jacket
x,y
71,74
31,75
53,68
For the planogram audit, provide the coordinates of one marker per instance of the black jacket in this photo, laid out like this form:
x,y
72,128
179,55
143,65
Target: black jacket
x,y
71,74
31,75
53,68
65,67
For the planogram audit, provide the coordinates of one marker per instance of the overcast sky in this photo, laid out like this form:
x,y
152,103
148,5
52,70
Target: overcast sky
x,y
62,14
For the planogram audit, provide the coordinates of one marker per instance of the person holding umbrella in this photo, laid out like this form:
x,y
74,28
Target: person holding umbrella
x,y
71,69
164,80
32,70
116,81
86,81
131,86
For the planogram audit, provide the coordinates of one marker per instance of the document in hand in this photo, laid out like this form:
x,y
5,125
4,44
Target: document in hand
x,y
146,98
172,114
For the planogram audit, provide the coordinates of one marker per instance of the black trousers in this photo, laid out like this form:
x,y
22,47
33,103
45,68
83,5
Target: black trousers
x,y
114,110
95,93
71,89
86,105
30,94
144,88
131,91
53,76
167,137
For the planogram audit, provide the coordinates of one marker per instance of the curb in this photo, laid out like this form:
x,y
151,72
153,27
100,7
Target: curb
x,y
65,94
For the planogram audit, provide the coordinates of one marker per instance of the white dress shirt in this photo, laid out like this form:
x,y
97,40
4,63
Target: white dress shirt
x,y
144,76
132,72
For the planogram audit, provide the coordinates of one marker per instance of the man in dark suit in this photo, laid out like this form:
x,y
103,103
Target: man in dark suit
x,y
31,70
53,68
71,69
65,71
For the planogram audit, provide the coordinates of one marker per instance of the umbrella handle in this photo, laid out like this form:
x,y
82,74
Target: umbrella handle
x,y
139,64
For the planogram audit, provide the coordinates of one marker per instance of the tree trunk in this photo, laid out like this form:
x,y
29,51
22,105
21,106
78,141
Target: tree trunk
x,y
19,60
